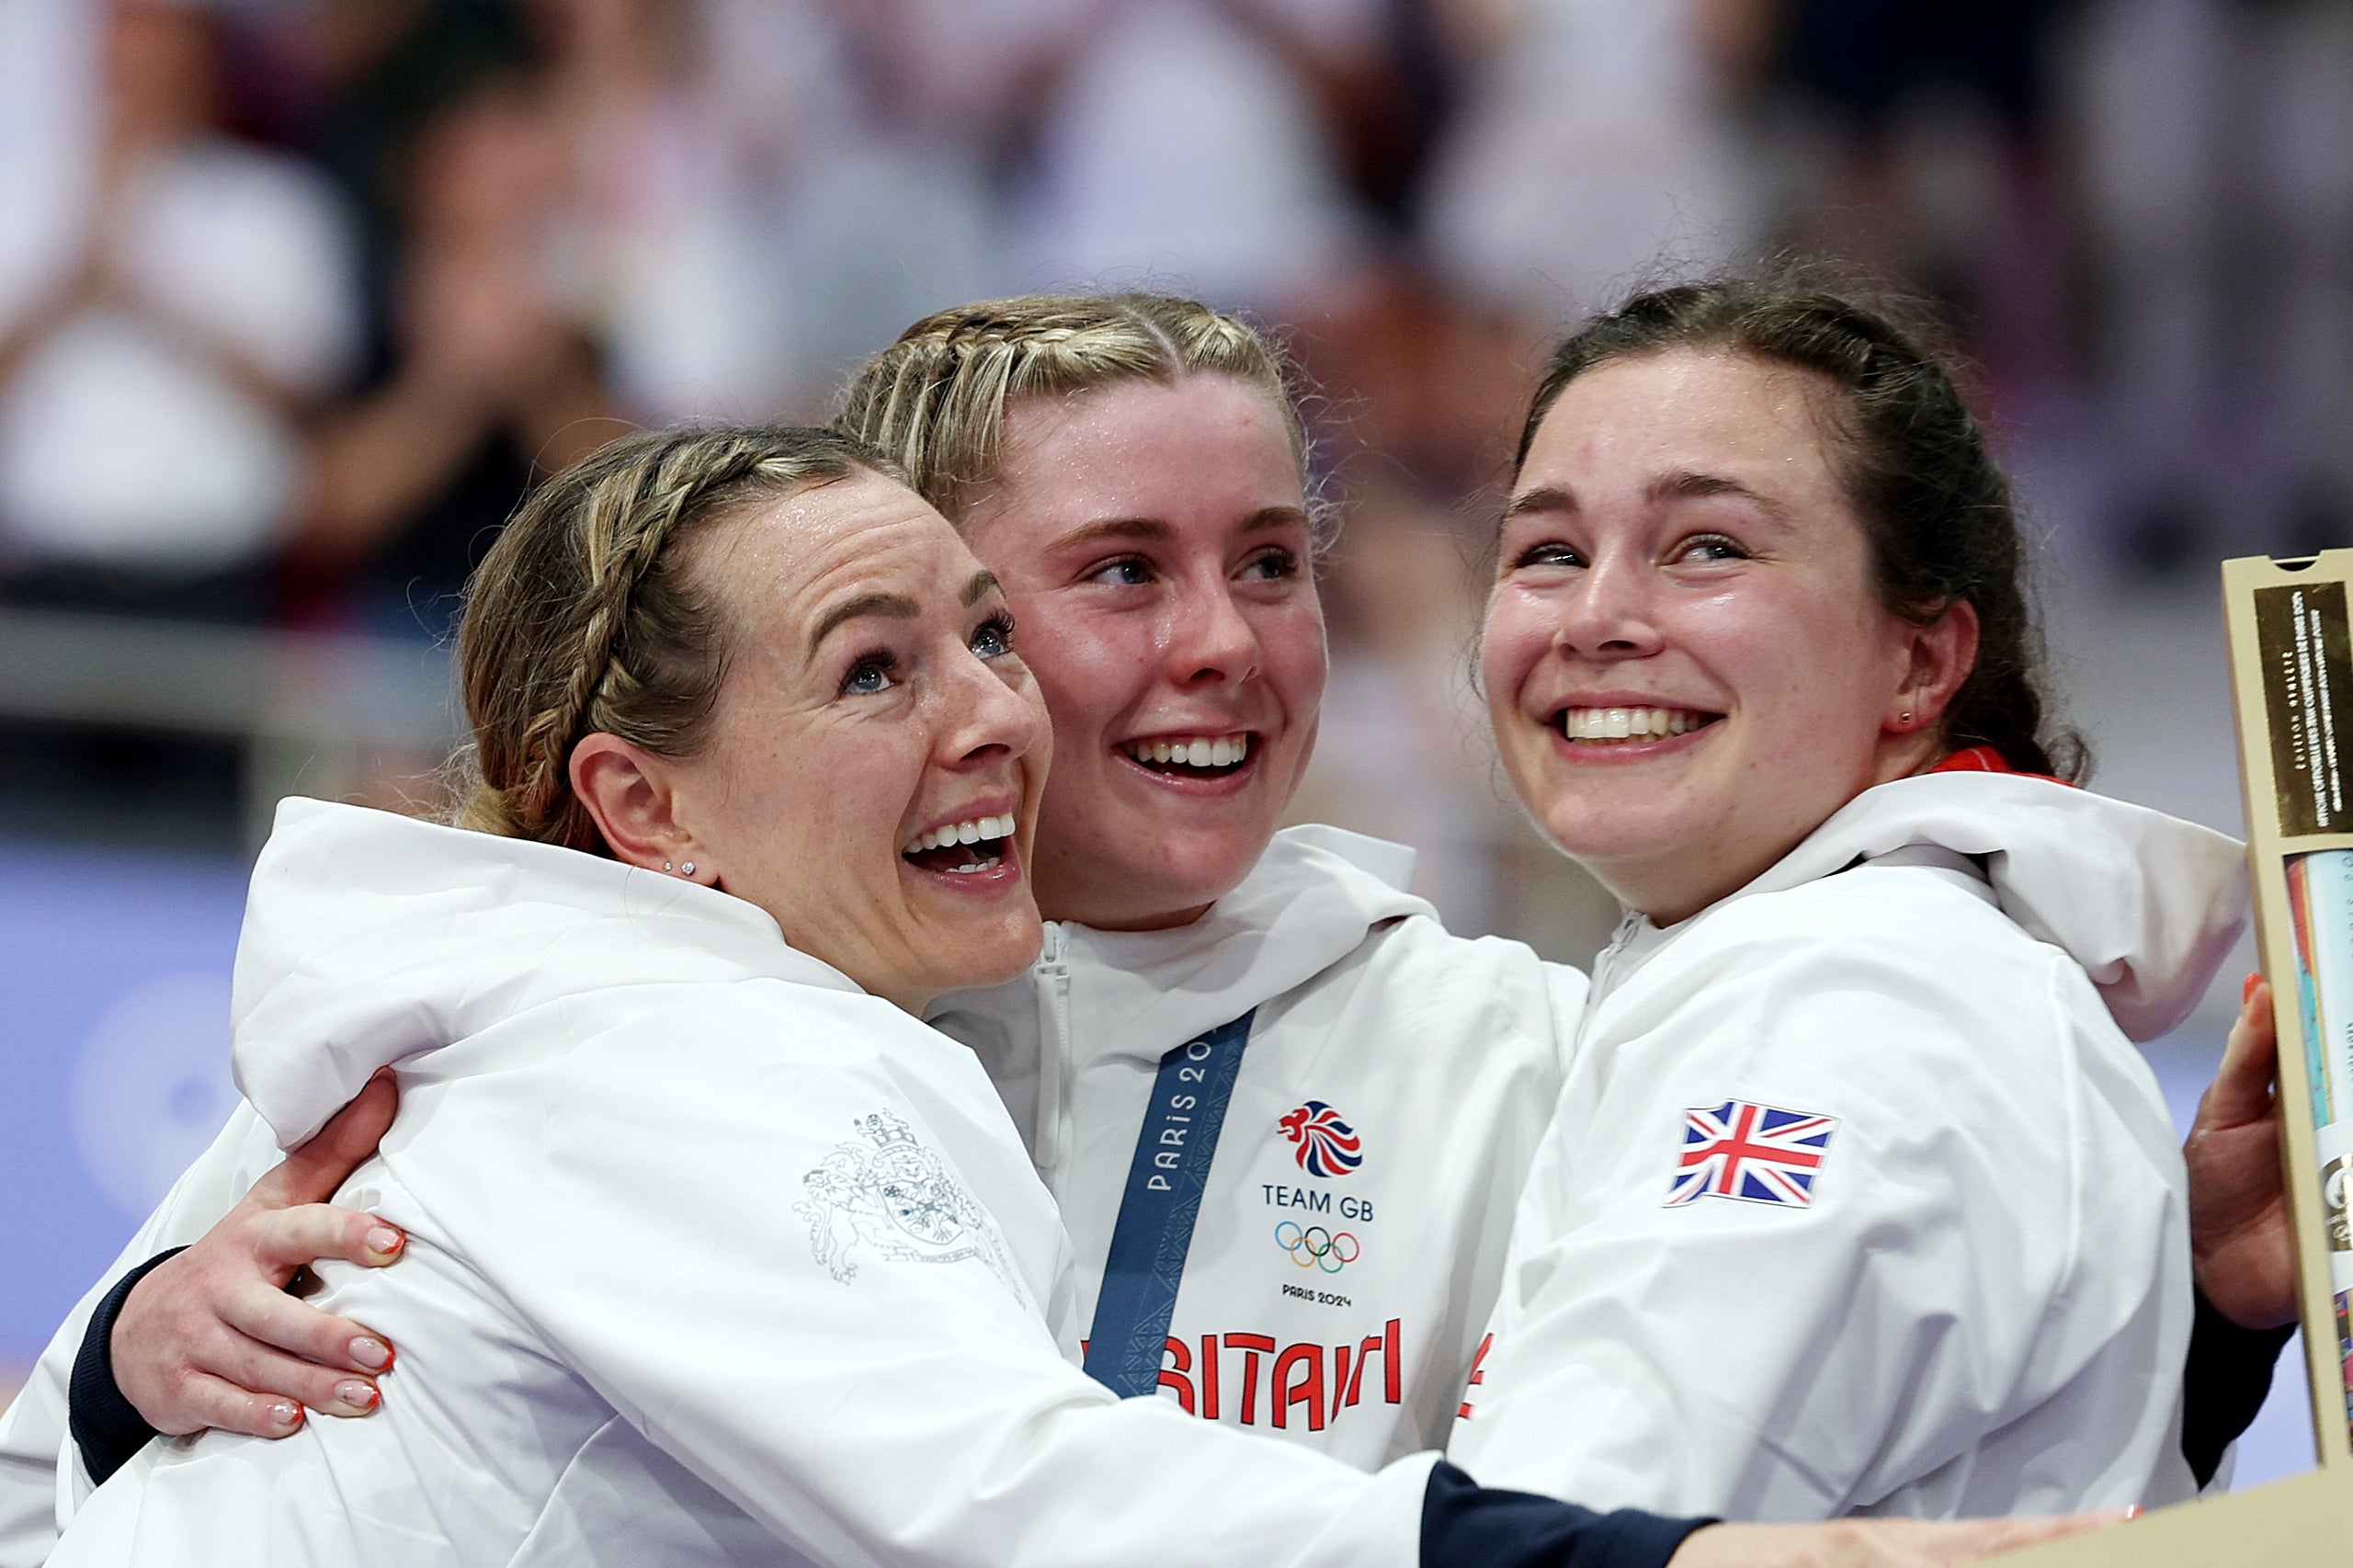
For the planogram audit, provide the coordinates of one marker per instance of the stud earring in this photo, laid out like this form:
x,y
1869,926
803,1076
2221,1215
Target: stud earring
x,y
688,869
1906,716
665,865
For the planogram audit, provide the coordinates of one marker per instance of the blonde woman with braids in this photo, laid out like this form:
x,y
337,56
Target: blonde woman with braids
x,y
1371,1087
1133,471
713,1254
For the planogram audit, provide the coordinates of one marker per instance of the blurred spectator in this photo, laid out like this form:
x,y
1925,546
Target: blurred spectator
x,y
491,376
1922,151
2219,186
1415,386
151,386
1182,147
1595,145
352,83
669,235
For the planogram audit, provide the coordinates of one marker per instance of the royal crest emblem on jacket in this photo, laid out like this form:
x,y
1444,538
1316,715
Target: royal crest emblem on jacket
x,y
886,1191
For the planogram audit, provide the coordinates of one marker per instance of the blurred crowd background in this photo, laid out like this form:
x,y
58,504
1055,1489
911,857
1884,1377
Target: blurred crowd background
x,y
299,297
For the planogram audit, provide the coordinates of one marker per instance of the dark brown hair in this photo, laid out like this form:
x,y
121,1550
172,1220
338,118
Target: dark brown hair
x,y
587,614
1937,510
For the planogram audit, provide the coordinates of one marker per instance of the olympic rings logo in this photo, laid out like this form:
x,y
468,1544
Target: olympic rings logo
x,y
1317,1247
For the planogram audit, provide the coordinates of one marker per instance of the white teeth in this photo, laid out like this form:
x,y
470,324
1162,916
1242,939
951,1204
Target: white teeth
x,y
1220,751
1629,723
971,831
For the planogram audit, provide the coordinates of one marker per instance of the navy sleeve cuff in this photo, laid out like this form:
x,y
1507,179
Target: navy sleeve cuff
x,y
2224,1384
1465,1524
105,1427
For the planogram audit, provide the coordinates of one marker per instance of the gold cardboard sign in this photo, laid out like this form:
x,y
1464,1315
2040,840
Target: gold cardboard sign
x,y
2307,671
2292,678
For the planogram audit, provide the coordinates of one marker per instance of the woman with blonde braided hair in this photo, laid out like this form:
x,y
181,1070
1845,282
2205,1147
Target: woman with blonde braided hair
x,y
713,1253
1282,1111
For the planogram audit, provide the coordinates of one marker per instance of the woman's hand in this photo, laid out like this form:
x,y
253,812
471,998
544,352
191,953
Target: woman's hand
x,y
211,1339
1874,1543
2242,1245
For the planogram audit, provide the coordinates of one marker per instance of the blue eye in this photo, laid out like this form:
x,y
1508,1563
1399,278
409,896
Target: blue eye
x,y
1272,565
869,676
993,637
1712,546
1126,571
1550,553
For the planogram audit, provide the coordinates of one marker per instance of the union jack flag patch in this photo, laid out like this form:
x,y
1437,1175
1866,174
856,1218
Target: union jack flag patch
x,y
1758,1154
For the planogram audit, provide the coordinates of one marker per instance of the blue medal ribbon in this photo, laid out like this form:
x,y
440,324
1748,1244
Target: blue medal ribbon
x,y
1163,1197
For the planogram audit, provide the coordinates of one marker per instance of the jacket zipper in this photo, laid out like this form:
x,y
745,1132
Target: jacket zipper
x,y
1050,1137
1604,964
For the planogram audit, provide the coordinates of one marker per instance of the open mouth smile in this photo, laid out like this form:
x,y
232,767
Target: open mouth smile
x,y
962,848
1190,756
1628,726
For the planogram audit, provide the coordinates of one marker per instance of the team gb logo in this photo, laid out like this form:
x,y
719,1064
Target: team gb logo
x,y
1325,1146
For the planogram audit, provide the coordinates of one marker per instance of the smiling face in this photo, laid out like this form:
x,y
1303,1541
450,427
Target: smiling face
x,y
871,704
1686,665
1154,542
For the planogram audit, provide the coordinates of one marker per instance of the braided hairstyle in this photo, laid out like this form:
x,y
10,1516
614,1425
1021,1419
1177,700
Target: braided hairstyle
x,y
587,615
1936,510
936,398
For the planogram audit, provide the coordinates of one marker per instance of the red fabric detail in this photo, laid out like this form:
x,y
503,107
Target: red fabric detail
x,y
1985,759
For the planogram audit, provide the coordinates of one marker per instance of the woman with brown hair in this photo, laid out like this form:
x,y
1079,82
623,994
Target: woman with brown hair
x,y
713,1253
1856,1106
1131,467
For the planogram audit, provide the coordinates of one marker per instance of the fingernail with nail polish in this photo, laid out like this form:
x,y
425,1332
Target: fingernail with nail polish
x,y
372,1354
355,1394
285,1412
383,1239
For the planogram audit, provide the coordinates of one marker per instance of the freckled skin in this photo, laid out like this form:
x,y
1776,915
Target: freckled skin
x,y
823,763
1201,619
1678,538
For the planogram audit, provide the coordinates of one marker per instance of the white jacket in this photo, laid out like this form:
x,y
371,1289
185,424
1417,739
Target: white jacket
x,y
1982,1303
1442,1055
712,1258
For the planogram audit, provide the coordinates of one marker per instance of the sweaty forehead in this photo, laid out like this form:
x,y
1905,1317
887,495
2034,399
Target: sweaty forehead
x,y
788,559
1685,408
1142,447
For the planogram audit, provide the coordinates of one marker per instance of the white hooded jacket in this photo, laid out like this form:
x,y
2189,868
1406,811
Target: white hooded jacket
x,y
711,1258
1859,1199
1337,1304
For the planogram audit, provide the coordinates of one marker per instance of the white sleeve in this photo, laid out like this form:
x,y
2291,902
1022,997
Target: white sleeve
x,y
1802,1348
41,1478
814,1309
1567,989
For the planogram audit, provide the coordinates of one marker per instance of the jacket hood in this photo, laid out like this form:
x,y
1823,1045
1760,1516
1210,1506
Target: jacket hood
x,y
1306,904
2147,903
370,939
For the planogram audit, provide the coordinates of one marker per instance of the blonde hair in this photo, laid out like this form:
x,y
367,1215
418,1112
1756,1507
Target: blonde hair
x,y
936,398
586,615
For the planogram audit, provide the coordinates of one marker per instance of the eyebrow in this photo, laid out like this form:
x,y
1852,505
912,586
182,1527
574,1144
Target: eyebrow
x,y
898,606
1157,530
1685,483
1543,499
1675,486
